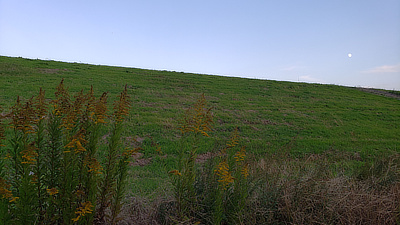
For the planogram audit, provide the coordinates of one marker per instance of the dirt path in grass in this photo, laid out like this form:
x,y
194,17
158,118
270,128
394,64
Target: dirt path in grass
x,y
379,92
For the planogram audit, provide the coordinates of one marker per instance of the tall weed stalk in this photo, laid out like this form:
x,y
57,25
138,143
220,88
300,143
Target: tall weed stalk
x,y
196,122
221,184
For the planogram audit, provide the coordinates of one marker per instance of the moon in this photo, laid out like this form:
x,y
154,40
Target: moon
x,y
349,55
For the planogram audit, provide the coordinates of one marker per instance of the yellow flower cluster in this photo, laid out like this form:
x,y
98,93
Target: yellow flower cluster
x,y
225,177
234,139
73,111
130,152
101,109
86,208
90,105
79,193
93,165
34,179
23,117
240,155
4,189
198,119
121,107
56,110
96,110
245,171
76,142
52,191
13,199
40,105
29,154
158,150
63,106
5,192
175,172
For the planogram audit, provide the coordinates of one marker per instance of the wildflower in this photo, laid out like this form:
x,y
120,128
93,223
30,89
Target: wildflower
x,y
76,142
80,193
197,119
52,191
240,155
225,177
101,109
23,116
93,165
245,171
158,150
121,107
40,105
175,172
4,189
90,104
8,156
34,179
73,111
13,199
96,110
76,219
5,192
234,139
62,104
56,110
86,208
29,154
128,153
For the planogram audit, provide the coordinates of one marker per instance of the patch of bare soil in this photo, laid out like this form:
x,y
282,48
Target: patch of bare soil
x,y
139,161
50,71
201,158
134,141
380,92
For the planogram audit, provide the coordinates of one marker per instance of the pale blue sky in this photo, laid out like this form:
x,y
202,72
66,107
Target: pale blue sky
x,y
298,40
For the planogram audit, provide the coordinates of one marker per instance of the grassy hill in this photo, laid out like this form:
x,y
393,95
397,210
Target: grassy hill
x,y
315,152
271,115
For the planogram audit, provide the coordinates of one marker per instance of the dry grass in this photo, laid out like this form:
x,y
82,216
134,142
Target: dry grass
x,y
141,211
286,190
308,192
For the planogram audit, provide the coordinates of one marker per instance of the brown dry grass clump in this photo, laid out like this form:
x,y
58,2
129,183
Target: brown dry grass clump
x,y
310,192
285,190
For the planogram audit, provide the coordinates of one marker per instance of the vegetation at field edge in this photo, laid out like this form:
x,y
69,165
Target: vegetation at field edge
x,y
307,153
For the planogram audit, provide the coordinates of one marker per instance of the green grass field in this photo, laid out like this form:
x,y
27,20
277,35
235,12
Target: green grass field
x,y
312,118
273,117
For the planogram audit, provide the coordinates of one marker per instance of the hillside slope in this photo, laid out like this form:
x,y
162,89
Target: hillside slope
x,y
270,115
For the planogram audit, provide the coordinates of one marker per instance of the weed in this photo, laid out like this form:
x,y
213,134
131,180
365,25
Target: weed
x,y
51,170
224,180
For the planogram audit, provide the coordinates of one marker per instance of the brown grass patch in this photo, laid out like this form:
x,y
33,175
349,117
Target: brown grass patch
x,y
139,161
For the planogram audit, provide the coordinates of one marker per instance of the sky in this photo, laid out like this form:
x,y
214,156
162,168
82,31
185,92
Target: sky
x,y
296,40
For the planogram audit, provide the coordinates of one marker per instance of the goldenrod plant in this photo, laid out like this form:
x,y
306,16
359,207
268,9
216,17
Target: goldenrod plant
x,y
113,182
197,121
5,188
224,186
50,168
231,173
